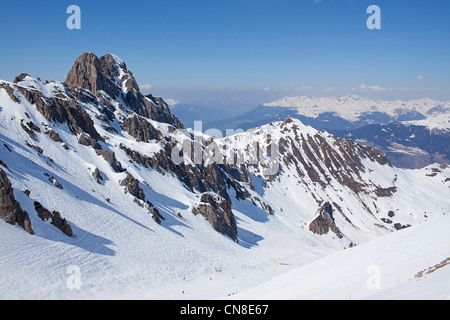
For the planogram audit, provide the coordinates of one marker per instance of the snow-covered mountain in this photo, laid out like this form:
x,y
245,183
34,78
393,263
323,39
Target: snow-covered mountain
x,y
345,113
105,194
413,133
362,110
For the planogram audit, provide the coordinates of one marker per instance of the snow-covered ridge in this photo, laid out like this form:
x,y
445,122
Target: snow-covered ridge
x,y
353,107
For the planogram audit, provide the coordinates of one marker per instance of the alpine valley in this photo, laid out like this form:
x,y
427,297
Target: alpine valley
x,y
102,196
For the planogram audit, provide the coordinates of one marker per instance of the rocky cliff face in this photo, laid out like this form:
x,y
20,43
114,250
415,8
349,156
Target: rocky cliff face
x,y
109,74
10,210
218,212
315,157
324,222
94,74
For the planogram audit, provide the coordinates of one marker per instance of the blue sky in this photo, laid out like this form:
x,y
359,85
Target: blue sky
x,y
245,50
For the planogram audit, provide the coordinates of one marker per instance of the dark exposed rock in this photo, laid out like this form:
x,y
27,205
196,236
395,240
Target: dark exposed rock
x,y
54,136
157,109
10,210
314,157
399,226
10,92
53,180
97,176
385,192
62,110
155,214
20,77
197,178
88,72
131,185
87,141
218,213
3,165
214,177
37,148
140,129
55,217
138,202
388,221
28,130
376,155
7,147
42,212
61,224
58,185
110,157
263,205
325,221
33,126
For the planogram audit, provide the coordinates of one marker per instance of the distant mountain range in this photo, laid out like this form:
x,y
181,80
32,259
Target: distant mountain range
x,y
414,133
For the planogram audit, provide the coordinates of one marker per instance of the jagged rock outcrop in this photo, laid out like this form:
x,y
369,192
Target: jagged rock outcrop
x,y
54,136
55,217
218,212
110,75
110,157
324,222
61,223
132,187
94,74
156,108
385,192
10,210
97,176
42,212
214,177
62,110
154,212
140,129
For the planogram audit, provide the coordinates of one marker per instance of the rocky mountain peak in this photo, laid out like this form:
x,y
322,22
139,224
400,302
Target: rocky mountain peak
x,y
116,71
109,74
94,74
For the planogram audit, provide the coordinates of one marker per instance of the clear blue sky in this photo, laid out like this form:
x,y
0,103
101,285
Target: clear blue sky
x,y
250,49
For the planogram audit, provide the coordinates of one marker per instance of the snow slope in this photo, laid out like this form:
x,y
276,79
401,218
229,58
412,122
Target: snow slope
x,y
384,268
118,251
